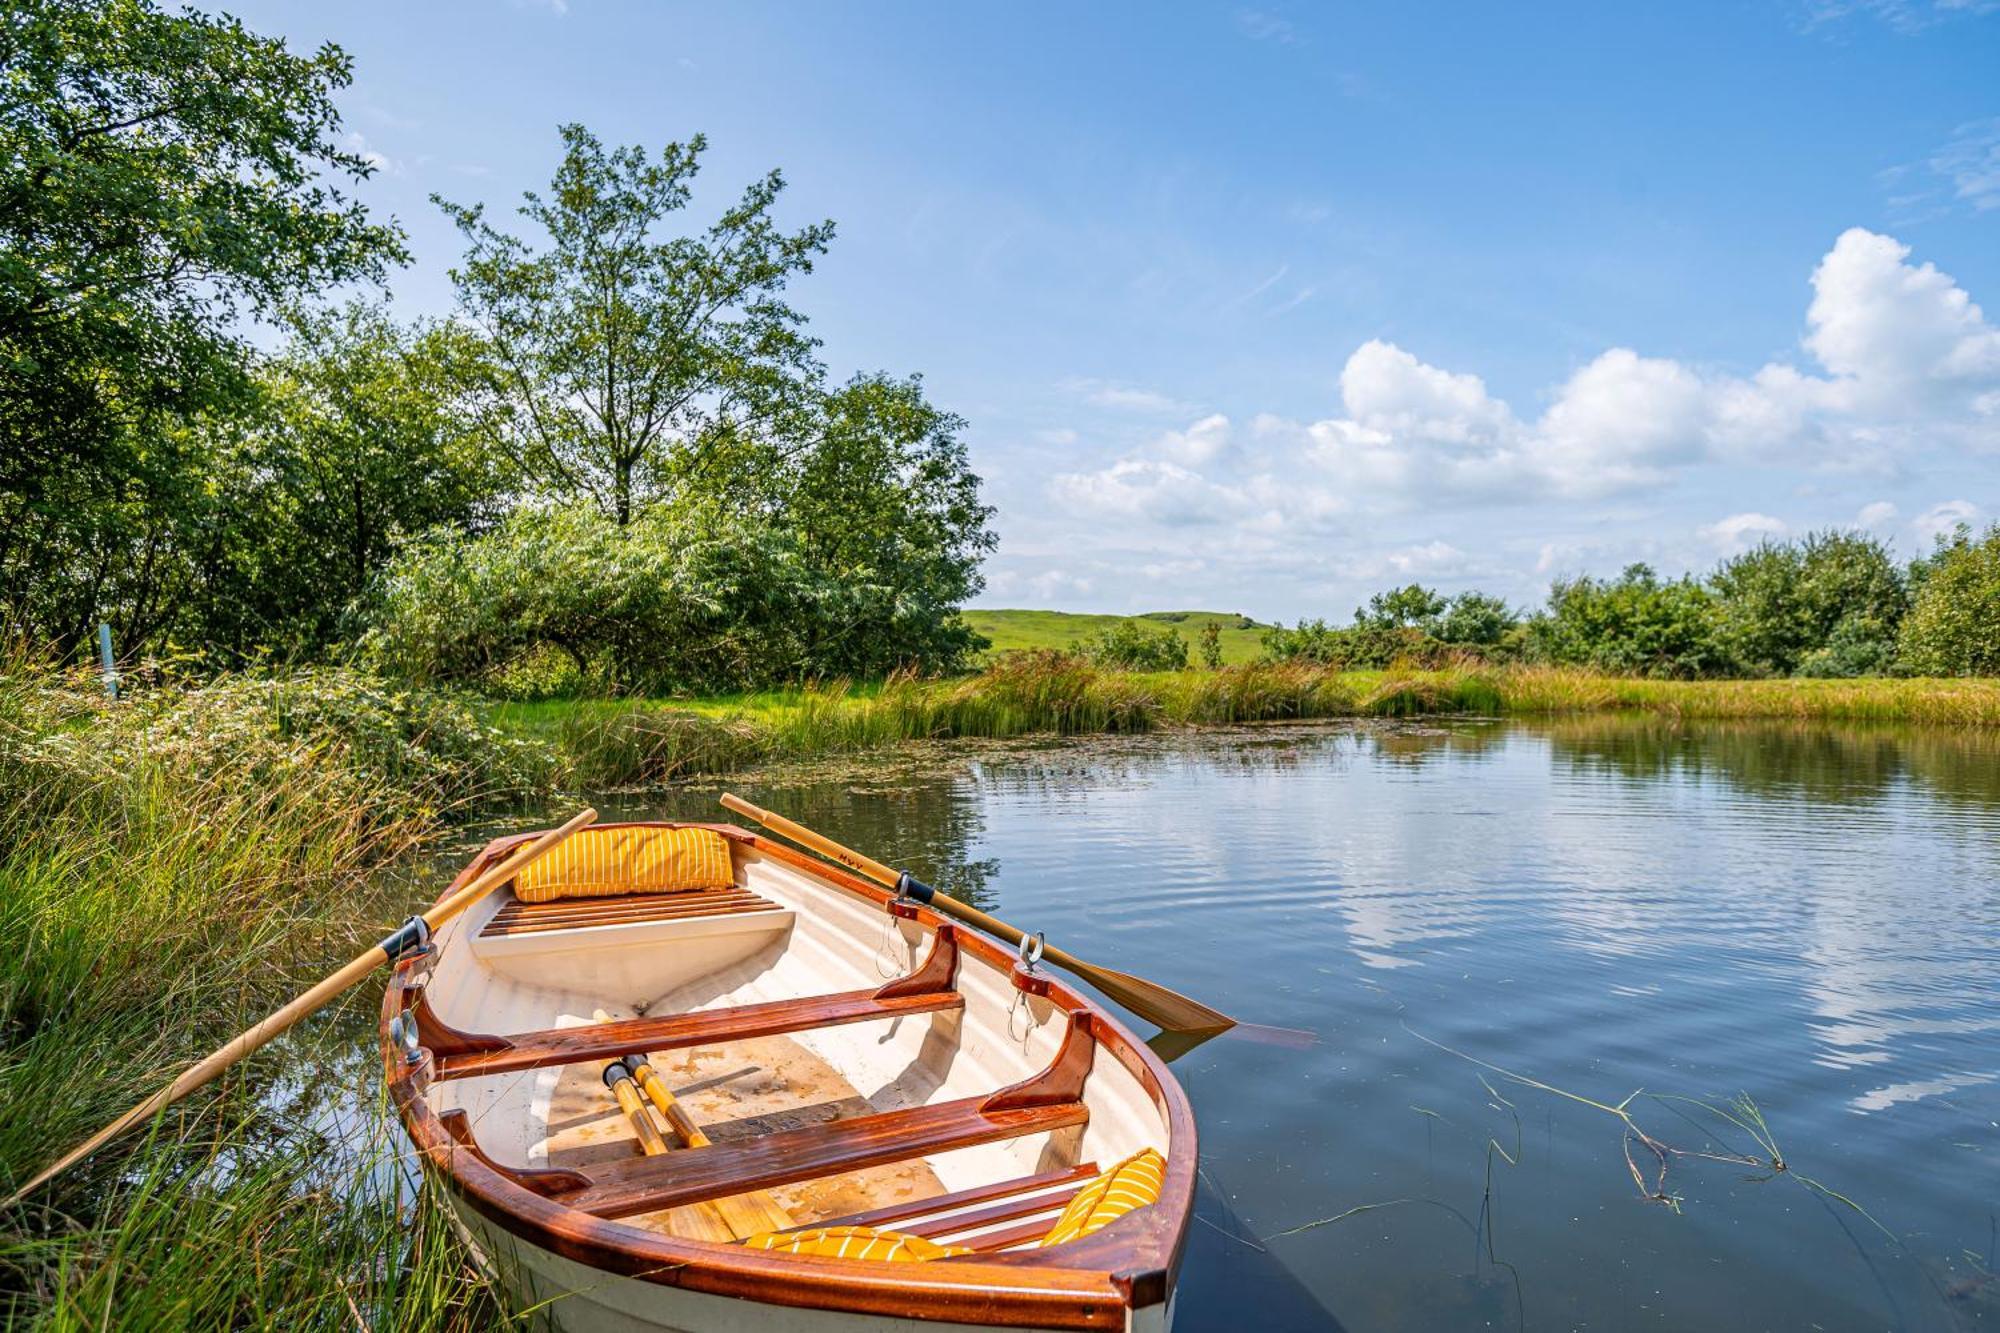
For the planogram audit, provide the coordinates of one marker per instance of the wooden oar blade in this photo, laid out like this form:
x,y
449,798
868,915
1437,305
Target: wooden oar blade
x,y
1153,1002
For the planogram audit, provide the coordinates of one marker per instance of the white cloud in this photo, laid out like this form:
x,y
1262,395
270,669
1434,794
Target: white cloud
x,y
1733,534
1879,514
1905,360
1941,519
1126,398
357,143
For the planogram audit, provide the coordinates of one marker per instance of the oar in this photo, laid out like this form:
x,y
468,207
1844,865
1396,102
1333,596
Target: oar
x,y
1148,999
737,1217
408,938
697,1221
746,1215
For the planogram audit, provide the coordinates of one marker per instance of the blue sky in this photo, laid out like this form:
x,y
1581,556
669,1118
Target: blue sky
x,y
1263,308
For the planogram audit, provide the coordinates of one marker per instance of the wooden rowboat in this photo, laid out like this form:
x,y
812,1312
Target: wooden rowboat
x,y
822,1055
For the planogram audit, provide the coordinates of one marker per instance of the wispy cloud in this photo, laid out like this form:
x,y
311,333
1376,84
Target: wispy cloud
x,y
1901,15
1263,26
357,143
1125,397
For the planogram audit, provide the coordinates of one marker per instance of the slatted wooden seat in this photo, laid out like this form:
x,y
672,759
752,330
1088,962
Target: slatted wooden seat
x,y
519,918
1030,1203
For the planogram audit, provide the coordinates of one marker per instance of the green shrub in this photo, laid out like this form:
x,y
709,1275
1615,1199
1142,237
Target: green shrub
x,y
671,602
1827,605
1637,624
1128,646
1953,628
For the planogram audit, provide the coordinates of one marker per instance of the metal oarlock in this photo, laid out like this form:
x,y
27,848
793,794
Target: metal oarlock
x,y
1029,951
403,1032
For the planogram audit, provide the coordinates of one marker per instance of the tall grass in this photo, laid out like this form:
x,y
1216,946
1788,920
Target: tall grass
x,y
171,868
603,744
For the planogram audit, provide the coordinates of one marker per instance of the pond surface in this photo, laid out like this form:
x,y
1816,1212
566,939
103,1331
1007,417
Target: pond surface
x,y
1805,917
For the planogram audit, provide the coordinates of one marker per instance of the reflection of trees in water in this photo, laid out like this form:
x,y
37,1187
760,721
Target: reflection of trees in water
x,y
1414,746
1844,764
927,825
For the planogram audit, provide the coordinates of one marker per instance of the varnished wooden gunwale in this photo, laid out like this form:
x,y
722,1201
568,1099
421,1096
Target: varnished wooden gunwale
x,y
1086,1284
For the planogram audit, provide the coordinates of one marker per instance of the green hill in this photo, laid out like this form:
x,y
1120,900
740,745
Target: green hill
x,y
1241,636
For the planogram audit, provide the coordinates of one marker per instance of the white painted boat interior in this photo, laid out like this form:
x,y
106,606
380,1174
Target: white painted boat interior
x,y
814,939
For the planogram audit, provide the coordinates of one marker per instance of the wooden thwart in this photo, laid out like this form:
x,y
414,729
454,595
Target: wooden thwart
x,y
790,1156
467,1055
1051,1100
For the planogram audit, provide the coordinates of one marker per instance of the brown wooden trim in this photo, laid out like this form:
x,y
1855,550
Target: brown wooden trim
x,y
646,1184
1063,1080
935,976
440,1038
1086,1284
994,1241
544,1182
1006,1210
603,1041
937,1203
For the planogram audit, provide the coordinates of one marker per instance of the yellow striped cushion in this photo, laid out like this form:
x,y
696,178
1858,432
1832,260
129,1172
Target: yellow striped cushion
x,y
594,862
855,1243
1133,1183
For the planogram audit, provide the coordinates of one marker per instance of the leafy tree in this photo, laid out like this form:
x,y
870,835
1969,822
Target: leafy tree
x,y
880,494
1635,623
625,357
1828,604
1953,628
365,439
1411,607
1211,646
1475,620
163,175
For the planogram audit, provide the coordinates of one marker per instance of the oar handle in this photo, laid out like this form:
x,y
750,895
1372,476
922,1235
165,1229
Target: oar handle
x,y
205,1070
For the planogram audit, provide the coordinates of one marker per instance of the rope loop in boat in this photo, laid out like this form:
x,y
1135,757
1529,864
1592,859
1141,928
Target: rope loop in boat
x,y
888,965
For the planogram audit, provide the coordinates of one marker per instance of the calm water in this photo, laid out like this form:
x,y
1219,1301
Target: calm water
x,y
1809,917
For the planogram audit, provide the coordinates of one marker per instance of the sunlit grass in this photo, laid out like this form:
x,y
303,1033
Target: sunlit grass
x,y
606,743
173,867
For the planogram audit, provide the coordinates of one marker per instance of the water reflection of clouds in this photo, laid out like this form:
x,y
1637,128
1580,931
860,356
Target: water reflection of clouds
x,y
1850,871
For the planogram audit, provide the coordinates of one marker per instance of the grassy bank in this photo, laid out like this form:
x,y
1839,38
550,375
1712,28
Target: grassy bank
x,y
172,867
604,743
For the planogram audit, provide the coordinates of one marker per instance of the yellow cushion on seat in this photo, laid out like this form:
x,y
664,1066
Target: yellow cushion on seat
x,y
855,1243
595,862
1133,1183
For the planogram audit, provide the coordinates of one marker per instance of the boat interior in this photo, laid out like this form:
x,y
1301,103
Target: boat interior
x,y
766,1061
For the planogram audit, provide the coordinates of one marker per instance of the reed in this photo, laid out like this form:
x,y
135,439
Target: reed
x,y
602,744
171,868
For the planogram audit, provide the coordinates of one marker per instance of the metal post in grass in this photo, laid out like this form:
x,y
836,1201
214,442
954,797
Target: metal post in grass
x,y
104,658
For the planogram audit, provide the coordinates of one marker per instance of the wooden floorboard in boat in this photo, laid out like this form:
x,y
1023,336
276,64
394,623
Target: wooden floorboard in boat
x,y
519,918
739,1090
